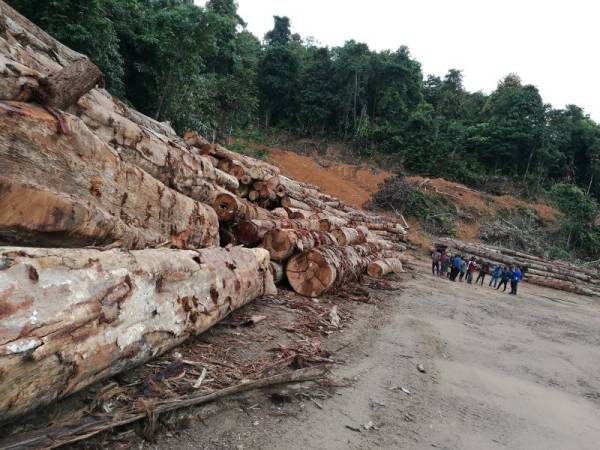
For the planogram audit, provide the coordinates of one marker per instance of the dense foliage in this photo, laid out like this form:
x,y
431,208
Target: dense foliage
x,y
199,68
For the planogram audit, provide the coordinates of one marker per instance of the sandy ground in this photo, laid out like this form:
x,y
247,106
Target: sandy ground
x,y
501,372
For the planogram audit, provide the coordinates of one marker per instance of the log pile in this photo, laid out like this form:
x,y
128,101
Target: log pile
x,y
120,239
540,271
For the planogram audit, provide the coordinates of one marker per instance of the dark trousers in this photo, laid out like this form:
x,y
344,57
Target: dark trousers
x,y
480,278
462,275
470,277
502,282
435,267
513,287
494,282
453,273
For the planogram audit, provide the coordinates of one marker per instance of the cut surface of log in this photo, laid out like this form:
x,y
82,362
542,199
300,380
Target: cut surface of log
x,y
230,208
73,317
317,271
64,87
383,267
122,201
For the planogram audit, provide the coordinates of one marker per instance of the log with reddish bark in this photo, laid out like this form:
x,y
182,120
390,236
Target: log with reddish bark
x,y
65,86
383,267
283,243
250,232
322,269
72,190
73,317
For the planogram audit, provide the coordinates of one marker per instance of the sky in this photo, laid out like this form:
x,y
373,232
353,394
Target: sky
x,y
553,44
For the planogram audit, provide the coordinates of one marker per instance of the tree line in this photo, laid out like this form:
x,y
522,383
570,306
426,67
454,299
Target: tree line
x,y
199,68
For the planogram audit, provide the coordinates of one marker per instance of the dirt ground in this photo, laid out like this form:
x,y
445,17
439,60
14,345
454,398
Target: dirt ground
x,y
501,372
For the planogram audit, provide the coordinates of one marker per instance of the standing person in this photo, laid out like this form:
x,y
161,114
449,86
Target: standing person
x,y
456,262
484,268
495,275
514,281
435,262
504,278
471,267
463,270
444,259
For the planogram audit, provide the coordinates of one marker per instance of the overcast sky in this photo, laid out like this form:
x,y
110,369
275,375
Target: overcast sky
x,y
553,44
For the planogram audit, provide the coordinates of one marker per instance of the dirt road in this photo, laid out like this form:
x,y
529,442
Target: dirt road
x,y
501,372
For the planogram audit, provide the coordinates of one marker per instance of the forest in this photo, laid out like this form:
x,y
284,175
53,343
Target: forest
x,y
199,68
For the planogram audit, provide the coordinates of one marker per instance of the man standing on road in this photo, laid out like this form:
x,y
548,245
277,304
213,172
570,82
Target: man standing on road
x,y
444,260
495,276
514,281
504,278
435,262
484,267
463,270
471,267
456,262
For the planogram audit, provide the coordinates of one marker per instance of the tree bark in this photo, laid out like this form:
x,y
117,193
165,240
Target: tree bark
x,y
383,267
79,174
118,310
349,236
230,208
283,243
63,88
322,269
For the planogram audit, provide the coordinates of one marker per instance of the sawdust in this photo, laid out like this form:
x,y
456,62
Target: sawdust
x,y
351,184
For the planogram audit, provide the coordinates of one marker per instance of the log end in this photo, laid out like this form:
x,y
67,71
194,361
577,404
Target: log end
x,y
309,274
226,207
279,244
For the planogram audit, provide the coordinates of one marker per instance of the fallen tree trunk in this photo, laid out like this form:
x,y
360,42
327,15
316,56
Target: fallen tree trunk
x,y
283,243
349,236
251,232
117,310
116,201
64,87
383,267
230,208
322,269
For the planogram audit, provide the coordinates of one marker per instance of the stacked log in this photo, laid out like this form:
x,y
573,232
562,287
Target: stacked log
x,y
78,169
110,311
382,267
537,270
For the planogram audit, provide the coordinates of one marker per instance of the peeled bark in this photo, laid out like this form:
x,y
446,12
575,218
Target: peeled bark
x,y
349,236
92,192
250,232
17,82
64,87
322,269
383,267
109,311
283,243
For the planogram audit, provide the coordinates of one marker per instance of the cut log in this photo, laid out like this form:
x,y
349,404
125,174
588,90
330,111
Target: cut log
x,y
250,232
349,236
283,243
63,88
109,311
231,208
115,201
322,269
17,82
383,267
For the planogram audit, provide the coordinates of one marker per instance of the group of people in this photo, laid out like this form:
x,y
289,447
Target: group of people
x,y
456,267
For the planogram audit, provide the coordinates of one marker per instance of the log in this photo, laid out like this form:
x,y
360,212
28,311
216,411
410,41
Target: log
x,y
383,267
230,208
250,232
110,311
64,87
18,82
349,236
283,243
73,190
322,269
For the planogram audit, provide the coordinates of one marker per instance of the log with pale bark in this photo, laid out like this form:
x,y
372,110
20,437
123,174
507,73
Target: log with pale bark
x,y
73,317
231,208
322,269
282,243
350,236
383,267
74,190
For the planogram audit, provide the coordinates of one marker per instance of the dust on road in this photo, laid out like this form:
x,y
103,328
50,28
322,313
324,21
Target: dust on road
x,y
501,372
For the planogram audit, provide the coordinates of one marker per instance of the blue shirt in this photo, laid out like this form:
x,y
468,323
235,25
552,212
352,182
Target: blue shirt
x,y
497,272
457,262
517,275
